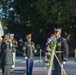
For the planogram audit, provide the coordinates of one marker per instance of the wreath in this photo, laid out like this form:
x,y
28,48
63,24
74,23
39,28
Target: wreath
x,y
50,47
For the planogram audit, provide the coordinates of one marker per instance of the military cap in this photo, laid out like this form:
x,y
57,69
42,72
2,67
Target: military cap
x,y
58,30
11,35
52,35
7,35
28,35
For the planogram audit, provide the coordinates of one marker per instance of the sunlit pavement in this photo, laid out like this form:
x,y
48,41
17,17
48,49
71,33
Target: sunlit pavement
x,y
40,68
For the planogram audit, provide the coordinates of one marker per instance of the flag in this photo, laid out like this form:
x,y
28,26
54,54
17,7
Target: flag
x,y
1,30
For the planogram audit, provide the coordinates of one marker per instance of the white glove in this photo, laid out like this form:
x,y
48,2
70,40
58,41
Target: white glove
x,y
64,62
35,51
26,58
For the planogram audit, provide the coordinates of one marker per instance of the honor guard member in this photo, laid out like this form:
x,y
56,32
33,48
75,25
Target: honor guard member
x,y
29,48
13,43
6,55
61,51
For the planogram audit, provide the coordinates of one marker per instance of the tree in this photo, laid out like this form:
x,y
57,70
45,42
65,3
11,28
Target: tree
x,y
40,17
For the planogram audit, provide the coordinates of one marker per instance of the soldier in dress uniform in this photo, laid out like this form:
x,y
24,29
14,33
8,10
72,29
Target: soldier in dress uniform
x,y
29,48
6,55
14,44
61,51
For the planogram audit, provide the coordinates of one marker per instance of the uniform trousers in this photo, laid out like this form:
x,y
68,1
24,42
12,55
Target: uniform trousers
x,y
6,69
14,57
57,67
29,66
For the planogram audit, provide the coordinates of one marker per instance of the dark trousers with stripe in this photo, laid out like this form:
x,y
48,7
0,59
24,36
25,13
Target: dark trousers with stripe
x,y
57,67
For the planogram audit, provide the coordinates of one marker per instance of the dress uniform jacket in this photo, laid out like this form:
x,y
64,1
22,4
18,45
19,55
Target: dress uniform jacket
x,y
29,48
6,54
62,54
62,49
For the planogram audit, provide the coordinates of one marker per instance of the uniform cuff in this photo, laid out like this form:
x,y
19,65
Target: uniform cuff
x,y
64,59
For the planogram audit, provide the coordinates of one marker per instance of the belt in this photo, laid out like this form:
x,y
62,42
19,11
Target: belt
x,y
58,51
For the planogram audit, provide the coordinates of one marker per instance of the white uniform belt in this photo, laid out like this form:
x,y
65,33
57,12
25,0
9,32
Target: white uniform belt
x,y
58,51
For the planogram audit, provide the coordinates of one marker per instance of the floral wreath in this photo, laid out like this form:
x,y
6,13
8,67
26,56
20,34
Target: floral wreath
x,y
50,44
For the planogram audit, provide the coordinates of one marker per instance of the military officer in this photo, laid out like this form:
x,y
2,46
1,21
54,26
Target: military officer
x,y
14,44
61,51
6,56
29,48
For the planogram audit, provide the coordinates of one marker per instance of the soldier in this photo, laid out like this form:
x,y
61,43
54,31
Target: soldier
x,y
29,48
13,43
61,51
6,56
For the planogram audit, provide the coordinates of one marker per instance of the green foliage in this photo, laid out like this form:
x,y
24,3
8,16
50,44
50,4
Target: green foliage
x,y
41,13
39,17
51,48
